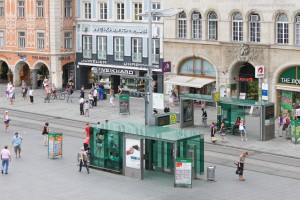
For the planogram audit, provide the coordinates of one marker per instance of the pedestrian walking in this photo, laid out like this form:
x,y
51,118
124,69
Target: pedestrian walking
x,y
242,130
112,96
81,103
6,120
24,90
101,91
120,90
48,93
8,86
91,99
82,92
45,82
45,133
241,165
280,123
16,142
31,93
86,107
213,132
83,160
86,143
11,95
87,130
6,158
95,97
223,131
69,92
286,123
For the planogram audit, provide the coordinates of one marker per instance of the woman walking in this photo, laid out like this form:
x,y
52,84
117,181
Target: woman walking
x,y
241,166
223,131
31,93
45,133
11,95
242,130
112,96
6,120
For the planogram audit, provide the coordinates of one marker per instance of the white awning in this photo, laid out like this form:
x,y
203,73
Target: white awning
x,y
190,81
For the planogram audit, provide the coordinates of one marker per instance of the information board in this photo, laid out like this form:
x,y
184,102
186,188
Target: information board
x,y
270,112
124,104
54,145
163,120
183,172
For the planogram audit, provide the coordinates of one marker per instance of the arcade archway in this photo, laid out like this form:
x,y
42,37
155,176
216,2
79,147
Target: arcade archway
x,y
3,71
68,76
22,73
40,72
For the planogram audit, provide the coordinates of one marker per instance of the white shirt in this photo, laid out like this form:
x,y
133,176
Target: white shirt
x,y
95,93
241,127
5,153
31,92
298,112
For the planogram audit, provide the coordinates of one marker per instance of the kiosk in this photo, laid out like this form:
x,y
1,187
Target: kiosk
x,y
129,149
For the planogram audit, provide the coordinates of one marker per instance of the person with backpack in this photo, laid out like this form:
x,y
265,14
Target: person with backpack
x,y
69,92
83,160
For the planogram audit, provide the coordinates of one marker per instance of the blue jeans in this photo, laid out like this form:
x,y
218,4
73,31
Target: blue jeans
x,y
5,162
69,98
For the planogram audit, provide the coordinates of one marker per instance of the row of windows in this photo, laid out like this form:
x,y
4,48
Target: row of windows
x,y
39,8
40,40
118,48
282,27
119,11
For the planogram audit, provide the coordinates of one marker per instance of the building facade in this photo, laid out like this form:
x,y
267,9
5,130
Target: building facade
x,y
112,44
223,42
37,41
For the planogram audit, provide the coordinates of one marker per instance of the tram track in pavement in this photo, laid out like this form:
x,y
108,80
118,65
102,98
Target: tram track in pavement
x,y
257,161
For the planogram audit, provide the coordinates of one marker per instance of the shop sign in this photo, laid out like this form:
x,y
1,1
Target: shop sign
x,y
40,57
64,57
259,71
264,91
290,81
166,66
119,29
106,70
246,79
93,61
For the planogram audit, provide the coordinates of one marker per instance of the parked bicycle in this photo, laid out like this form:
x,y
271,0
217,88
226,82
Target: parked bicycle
x,y
58,95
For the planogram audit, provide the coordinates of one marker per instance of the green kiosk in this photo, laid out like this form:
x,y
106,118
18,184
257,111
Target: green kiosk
x,y
129,149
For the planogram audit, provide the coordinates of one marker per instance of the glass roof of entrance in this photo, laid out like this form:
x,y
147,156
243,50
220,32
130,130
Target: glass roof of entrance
x,y
245,102
154,132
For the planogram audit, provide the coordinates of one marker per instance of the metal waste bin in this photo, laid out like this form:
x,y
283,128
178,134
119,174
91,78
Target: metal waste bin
x,y
177,116
211,170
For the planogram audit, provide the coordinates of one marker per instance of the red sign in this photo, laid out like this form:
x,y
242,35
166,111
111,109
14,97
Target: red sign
x,y
259,71
245,79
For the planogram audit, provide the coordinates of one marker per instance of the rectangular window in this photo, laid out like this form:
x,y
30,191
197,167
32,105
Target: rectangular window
x,y
120,11
40,9
103,11
282,33
212,30
68,40
298,33
87,46
21,40
21,9
40,40
155,51
1,8
156,6
119,48
87,10
101,47
68,8
237,31
138,8
136,49
182,28
1,39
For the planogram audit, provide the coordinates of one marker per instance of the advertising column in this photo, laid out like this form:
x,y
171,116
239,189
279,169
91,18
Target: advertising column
x,y
55,145
133,158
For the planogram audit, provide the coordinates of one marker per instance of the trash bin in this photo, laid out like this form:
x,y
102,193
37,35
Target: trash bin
x,y
211,170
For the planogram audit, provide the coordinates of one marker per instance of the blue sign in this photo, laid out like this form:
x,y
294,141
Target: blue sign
x,y
264,92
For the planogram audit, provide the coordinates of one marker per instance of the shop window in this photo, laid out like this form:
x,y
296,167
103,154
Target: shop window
x,y
197,66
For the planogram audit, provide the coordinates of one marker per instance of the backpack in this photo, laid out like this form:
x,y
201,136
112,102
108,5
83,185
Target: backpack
x,y
71,91
84,156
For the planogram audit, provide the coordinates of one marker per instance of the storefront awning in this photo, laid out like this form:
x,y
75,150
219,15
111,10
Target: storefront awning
x,y
190,81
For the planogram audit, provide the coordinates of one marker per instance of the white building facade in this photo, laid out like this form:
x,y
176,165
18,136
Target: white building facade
x,y
219,43
112,44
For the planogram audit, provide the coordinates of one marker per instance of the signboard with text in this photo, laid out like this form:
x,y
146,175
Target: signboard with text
x,y
124,104
54,145
183,172
158,101
259,71
166,66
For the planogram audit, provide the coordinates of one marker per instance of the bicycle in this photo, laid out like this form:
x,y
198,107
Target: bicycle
x,y
57,95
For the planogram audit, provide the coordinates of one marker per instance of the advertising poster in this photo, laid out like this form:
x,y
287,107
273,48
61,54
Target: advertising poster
x,y
124,104
55,145
133,153
158,101
287,100
183,171
187,110
295,131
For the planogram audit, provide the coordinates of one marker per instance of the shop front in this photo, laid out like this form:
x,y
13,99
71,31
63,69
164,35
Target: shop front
x,y
288,90
194,76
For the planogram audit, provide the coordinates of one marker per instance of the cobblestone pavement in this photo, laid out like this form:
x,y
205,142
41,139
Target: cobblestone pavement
x,y
62,109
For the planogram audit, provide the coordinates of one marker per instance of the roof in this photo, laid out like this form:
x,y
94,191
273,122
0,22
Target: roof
x,y
190,81
149,132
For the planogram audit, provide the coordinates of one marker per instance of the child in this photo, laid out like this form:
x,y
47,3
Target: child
x,y
86,108
31,93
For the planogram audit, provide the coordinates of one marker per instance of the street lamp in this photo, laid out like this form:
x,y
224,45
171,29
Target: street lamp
x,y
149,120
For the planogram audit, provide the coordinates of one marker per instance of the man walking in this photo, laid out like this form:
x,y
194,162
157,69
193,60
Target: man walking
x,y
95,96
83,160
70,92
16,142
6,158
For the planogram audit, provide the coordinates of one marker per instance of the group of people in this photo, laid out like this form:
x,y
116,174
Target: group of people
x,y
11,94
283,123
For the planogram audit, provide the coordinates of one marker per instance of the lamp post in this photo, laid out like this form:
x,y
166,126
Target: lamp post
x,y
149,119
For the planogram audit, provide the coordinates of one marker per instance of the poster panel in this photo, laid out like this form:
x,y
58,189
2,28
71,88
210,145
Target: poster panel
x,y
183,171
287,100
124,104
295,131
133,153
187,110
158,101
54,145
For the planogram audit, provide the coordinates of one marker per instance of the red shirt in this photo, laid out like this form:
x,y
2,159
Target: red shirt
x,y
87,131
86,140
